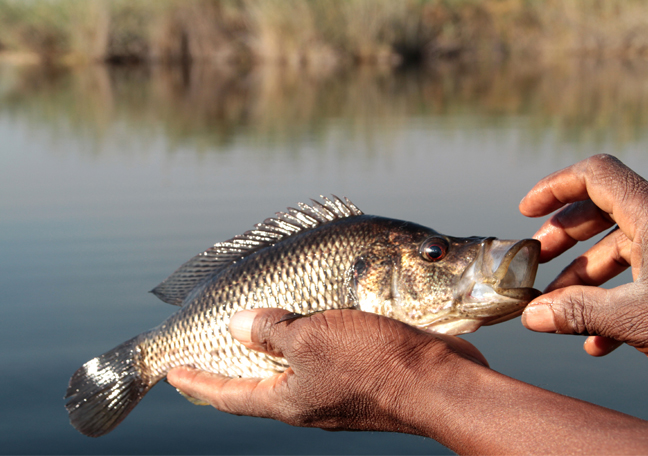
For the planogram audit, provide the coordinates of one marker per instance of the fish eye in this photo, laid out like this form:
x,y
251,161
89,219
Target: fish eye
x,y
434,249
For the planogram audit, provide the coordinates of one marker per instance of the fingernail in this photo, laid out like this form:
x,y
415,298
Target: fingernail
x,y
240,325
539,317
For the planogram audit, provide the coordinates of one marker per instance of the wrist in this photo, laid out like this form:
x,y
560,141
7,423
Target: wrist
x,y
443,389
474,409
427,386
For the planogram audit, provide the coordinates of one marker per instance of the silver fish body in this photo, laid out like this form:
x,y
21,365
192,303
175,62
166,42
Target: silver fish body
x,y
319,257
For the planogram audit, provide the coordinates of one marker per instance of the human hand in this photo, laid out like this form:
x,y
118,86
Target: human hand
x,y
599,192
348,370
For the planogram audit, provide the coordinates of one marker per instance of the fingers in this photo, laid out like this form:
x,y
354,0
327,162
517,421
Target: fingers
x,y
598,192
196,383
600,346
601,178
240,396
612,187
567,310
605,260
619,314
347,369
577,222
259,329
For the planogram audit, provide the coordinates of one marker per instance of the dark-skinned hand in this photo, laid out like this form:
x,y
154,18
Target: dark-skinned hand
x,y
358,371
352,370
594,194
348,370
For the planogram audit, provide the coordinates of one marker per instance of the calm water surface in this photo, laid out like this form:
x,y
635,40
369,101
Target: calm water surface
x,y
110,179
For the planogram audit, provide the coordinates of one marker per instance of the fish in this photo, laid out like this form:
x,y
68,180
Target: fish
x,y
319,256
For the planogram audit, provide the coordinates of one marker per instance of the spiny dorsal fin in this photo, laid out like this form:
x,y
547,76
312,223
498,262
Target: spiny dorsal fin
x,y
178,285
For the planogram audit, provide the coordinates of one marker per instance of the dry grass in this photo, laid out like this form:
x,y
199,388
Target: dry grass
x,y
323,33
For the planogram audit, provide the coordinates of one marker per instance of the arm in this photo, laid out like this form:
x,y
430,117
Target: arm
x,y
354,370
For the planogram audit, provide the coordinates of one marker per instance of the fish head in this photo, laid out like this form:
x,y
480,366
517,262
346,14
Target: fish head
x,y
445,284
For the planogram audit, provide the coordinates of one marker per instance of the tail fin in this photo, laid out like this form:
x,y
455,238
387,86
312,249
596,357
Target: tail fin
x,y
104,390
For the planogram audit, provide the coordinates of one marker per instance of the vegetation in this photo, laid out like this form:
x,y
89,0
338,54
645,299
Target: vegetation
x,y
322,33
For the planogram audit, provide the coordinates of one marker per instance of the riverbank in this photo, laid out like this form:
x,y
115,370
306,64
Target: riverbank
x,y
321,33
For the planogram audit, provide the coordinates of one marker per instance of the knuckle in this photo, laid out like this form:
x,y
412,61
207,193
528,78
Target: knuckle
x,y
621,246
632,186
609,171
604,163
310,345
265,331
626,323
311,333
604,159
631,318
576,316
620,314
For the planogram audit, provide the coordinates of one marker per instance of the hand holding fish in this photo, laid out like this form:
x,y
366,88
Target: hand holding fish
x,y
353,370
597,193
348,370
322,256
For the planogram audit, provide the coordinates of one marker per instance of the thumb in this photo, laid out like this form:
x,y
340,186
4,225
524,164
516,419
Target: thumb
x,y
620,314
258,329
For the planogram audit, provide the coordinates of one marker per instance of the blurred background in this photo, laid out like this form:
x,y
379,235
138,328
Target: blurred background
x,y
135,134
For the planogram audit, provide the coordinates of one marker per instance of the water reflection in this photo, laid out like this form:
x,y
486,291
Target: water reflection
x,y
112,177
588,102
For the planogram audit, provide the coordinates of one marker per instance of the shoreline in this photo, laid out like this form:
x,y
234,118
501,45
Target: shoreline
x,y
321,34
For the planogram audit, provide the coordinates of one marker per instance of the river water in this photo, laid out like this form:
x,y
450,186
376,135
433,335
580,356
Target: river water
x,y
110,178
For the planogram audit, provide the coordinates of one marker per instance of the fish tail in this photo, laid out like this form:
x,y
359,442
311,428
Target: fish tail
x,y
105,389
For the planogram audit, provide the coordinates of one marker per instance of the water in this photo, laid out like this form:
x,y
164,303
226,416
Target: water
x,y
111,178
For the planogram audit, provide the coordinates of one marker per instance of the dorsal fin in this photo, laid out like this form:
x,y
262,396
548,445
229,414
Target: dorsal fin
x,y
175,288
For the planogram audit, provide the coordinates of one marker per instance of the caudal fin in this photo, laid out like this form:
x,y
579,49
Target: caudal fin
x,y
104,390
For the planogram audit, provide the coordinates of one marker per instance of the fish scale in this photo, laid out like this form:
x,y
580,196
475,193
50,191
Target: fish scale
x,y
324,256
313,290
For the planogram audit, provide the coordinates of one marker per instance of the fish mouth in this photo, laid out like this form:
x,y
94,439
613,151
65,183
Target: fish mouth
x,y
502,279
495,287
513,265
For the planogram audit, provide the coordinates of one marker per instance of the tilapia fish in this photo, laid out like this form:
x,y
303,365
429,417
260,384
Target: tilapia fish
x,y
327,255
